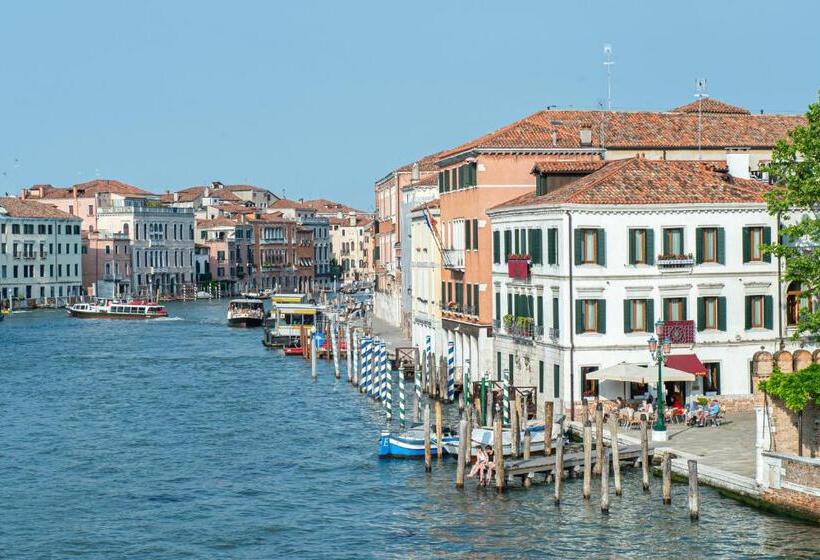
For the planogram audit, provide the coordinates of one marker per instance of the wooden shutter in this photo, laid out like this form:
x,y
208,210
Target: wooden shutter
x,y
530,308
721,246
498,365
578,246
540,311
722,314
498,306
552,246
507,244
633,238
650,315
517,241
767,239
601,257
443,293
602,316
475,234
475,298
556,318
685,315
510,310
701,312
768,312
699,245
628,315
468,244
511,363
579,316
535,242
650,246
440,182
540,376
556,381
748,306
446,181
497,247
746,245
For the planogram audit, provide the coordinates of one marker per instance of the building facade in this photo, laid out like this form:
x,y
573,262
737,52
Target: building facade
x,y
425,267
40,254
283,249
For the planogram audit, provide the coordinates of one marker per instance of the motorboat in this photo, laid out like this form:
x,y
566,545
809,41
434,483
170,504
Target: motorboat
x,y
288,322
409,444
246,312
112,309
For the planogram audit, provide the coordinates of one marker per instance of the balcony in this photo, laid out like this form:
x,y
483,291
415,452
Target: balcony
x,y
518,267
454,259
522,328
675,262
679,332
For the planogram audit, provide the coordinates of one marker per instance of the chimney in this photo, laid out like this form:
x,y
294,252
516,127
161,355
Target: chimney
x,y
206,192
586,136
176,197
414,173
737,159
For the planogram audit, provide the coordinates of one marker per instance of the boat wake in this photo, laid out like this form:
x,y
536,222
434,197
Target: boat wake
x,y
165,319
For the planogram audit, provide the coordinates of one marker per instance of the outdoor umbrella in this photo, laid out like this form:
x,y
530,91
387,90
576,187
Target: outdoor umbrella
x,y
634,373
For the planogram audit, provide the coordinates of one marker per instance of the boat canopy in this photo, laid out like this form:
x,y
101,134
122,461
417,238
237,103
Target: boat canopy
x,y
288,298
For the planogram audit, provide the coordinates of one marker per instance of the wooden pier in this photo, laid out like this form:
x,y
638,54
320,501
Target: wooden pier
x,y
546,464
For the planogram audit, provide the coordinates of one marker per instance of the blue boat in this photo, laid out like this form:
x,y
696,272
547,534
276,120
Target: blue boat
x,y
410,443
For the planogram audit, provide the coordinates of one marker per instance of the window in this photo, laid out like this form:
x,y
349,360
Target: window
x,y
674,309
759,312
540,376
90,209
590,247
753,240
468,235
552,246
556,320
673,241
640,246
556,381
590,386
709,245
510,363
535,250
508,248
712,313
475,235
498,366
638,315
496,247
590,316
711,383
795,301
15,228
475,298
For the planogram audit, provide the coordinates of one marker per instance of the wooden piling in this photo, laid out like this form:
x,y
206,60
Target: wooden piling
x,y
498,452
599,438
428,453
462,452
558,472
616,453
587,459
605,483
644,455
694,498
439,430
514,432
548,420
527,444
666,471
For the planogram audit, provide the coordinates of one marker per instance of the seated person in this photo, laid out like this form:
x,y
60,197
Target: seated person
x,y
480,464
714,408
490,469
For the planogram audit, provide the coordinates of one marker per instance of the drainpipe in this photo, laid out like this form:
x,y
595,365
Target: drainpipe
x,y
570,264
779,291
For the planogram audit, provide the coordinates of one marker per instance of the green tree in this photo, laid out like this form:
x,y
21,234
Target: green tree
x,y
795,196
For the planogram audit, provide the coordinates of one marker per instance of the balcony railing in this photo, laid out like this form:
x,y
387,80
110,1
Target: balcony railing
x,y
675,262
518,267
679,332
520,327
454,259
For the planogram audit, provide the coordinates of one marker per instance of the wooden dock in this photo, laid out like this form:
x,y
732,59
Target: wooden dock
x,y
546,464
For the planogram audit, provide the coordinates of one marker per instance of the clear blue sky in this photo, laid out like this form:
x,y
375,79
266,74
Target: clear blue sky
x,y
322,98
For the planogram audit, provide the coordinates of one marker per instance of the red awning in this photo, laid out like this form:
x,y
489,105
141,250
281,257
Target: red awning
x,y
689,363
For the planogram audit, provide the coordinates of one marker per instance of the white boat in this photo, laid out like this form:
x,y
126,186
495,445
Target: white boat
x,y
204,295
483,437
246,312
287,321
111,309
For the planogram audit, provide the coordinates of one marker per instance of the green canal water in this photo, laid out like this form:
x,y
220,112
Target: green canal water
x,y
184,438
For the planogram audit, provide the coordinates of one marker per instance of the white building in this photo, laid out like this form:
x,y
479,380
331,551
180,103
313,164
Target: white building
x,y
425,261
606,255
40,253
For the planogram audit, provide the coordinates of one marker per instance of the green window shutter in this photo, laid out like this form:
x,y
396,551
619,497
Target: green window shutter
x,y
517,241
473,174
601,257
722,313
650,315
701,313
540,311
579,316
699,245
443,293
767,239
578,246
602,316
721,246
468,244
746,247
530,308
496,247
768,312
748,312
685,309
556,319
650,246
633,239
461,177
440,182
475,298
627,316
511,362
498,306
510,304
552,246
507,244
665,243
475,234
556,380
498,365
446,181
540,376
537,252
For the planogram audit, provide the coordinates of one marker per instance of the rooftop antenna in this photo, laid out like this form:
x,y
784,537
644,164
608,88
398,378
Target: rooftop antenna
x,y
700,86
608,62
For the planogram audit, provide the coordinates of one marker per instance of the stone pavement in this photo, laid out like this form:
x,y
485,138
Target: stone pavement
x,y
390,334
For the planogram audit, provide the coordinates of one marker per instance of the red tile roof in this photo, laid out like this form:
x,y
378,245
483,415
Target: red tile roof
x,y
646,182
91,188
17,208
324,206
435,203
288,203
634,130
192,193
710,105
567,166
216,222
247,188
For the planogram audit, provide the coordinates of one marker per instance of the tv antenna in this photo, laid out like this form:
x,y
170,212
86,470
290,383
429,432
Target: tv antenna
x,y
608,62
700,87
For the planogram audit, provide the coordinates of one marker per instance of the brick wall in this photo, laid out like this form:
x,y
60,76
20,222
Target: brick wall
x,y
806,505
800,472
785,438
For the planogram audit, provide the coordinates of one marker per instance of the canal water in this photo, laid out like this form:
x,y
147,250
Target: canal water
x,y
184,438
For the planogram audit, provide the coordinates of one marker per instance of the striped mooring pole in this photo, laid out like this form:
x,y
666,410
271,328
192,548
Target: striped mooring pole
x,y
428,350
384,371
366,350
401,397
466,382
354,348
506,391
372,367
451,371
349,352
417,387
334,345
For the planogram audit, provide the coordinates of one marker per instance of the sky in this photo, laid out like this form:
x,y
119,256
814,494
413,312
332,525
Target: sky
x,y
320,99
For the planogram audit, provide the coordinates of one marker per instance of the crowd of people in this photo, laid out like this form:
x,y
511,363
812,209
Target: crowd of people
x,y
693,414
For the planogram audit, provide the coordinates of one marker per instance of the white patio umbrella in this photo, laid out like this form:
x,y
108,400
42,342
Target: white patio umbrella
x,y
634,373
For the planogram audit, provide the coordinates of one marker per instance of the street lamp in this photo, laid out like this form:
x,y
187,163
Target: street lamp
x,y
659,349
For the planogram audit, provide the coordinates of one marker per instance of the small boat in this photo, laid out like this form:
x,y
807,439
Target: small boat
x,y
292,350
246,312
410,443
482,437
289,321
264,294
204,295
110,309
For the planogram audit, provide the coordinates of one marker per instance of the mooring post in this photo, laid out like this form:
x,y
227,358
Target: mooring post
x,y
439,430
334,344
527,444
587,459
644,454
388,392
558,471
666,472
498,453
313,352
599,437
401,396
355,350
451,371
548,421
605,483
694,498
506,396
462,452
428,461
417,375
616,453
349,352
514,431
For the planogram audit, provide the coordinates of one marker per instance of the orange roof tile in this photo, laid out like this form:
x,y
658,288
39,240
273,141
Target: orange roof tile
x,y
192,193
91,188
567,166
17,208
710,105
216,222
435,203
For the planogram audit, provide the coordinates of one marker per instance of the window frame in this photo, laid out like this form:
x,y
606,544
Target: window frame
x,y
634,304
755,248
757,304
590,316
711,302
713,244
593,235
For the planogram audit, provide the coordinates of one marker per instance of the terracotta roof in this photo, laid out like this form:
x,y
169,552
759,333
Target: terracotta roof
x,y
635,130
325,205
427,163
288,203
435,203
91,188
192,193
710,105
645,182
247,188
567,166
17,208
215,222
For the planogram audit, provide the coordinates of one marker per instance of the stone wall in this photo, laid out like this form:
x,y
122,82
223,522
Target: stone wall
x,y
785,434
792,483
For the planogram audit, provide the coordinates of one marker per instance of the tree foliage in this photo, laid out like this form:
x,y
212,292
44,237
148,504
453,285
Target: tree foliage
x,y
794,389
795,196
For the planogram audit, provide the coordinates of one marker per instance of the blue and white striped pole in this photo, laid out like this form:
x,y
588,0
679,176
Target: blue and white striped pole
x,y
466,383
417,386
373,369
388,391
506,395
451,371
367,349
383,389
354,347
428,350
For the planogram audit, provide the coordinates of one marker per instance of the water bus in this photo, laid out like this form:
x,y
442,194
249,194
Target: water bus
x,y
287,323
246,312
112,309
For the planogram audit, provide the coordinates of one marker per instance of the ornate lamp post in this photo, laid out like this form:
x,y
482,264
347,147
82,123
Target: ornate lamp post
x,y
659,350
